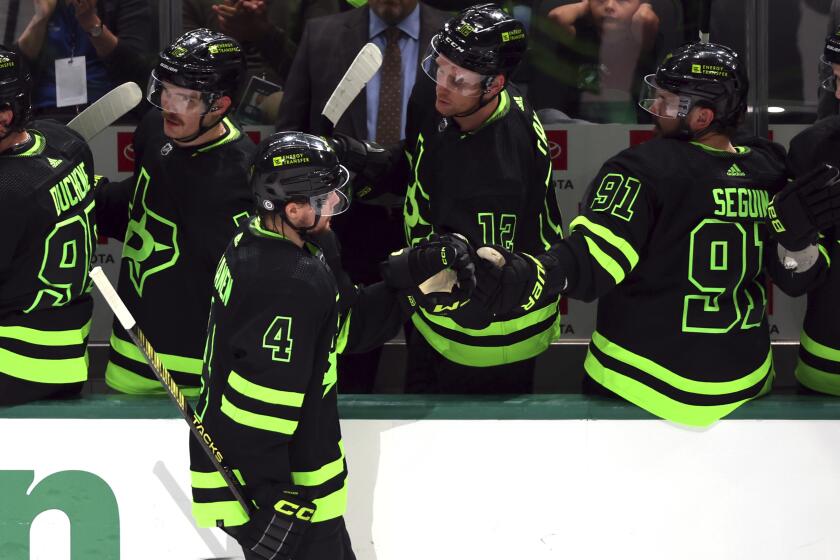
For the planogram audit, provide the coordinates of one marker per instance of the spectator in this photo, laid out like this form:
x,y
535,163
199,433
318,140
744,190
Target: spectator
x,y
268,30
370,231
601,49
111,35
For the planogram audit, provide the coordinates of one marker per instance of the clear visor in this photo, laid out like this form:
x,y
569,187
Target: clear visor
x,y
174,99
332,203
826,74
662,103
452,77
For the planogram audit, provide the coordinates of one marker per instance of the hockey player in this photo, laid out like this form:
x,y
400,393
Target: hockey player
x,y
672,239
48,232
269,381
478,165
818,367
179,210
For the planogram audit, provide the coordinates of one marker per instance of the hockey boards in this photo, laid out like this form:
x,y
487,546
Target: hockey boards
x,y
105,110
204,438
361,70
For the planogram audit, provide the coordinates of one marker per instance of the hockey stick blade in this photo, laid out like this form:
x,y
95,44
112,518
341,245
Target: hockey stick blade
x,y
107,109
361,70
197,428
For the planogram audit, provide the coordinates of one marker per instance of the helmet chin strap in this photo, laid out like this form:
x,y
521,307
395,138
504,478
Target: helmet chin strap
x,y
201,127
482,103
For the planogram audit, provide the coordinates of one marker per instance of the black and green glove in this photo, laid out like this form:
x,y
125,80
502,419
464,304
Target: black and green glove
x,y
805,207
275,533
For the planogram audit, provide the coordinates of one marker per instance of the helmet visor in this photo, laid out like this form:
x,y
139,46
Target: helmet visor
x,y
452,77
826,74
661,102
174,99
331,203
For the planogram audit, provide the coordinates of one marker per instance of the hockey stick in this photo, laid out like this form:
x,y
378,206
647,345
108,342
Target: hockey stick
x,y
106,110
705,18
361,70
198,430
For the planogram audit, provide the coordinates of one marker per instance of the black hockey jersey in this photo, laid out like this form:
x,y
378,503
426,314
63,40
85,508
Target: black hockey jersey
x,y
671,238
492,185
48,228
176,215
269,393
818,367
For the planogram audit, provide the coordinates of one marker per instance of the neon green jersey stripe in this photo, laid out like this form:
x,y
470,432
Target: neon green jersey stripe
x,y
212,479
258,421
483,356
817,349
126,381
344,333
264,394
825,254
496,328
322,475
675,380
171,361
607,262
44,370
817,380
46,338
232,134
330,506
229,513
604,233
655,402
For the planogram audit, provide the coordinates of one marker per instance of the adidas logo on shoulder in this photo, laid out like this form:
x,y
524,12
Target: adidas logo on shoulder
x,y
55,162
735,171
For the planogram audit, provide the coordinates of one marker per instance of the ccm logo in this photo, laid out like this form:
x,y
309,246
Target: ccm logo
x,y
558,149
125,151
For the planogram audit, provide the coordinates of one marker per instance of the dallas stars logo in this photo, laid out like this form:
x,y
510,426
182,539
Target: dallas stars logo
x,y
151,242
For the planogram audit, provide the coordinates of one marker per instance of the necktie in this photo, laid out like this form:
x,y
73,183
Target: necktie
x,y
390,91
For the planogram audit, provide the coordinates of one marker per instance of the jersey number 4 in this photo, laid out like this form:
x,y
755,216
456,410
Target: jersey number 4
x,y
278,339
724,261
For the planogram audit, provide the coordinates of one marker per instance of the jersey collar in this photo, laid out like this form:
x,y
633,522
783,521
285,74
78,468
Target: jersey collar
x,y
32,147
231,134
739,150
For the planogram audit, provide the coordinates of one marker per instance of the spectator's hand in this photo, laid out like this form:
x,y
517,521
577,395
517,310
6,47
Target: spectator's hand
x,y
85,13
567,16
244,20
44,9
644,26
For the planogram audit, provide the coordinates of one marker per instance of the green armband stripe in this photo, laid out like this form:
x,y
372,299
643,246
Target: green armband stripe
x,y
171,361
817,379
44,370
675,380
40,337
229,513
343,333
496,328
212,479
607,262
258,421
604,233
654,401
330,506
130,383
817,349
322,475
264,394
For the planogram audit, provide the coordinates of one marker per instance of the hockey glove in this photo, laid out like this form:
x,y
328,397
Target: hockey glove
x,y
275,533
368,160
805,207
508,281
438,274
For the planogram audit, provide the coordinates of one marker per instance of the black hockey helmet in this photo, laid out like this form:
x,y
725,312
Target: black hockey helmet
x,y
15,87
298,167
483,39
705,73
202,60
831,55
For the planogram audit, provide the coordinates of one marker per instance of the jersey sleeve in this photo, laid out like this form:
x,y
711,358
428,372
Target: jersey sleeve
x,y
374,318
612,230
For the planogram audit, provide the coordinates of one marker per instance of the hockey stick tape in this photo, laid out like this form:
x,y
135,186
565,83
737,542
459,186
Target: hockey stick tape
x,y
492,255
111,298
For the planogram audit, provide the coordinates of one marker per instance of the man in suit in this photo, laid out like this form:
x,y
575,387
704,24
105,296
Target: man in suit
x,y
329,44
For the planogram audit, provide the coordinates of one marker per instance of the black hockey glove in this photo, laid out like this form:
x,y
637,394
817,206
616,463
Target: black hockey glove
x,y
275,533
805,207
438,274
508,281
367,160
